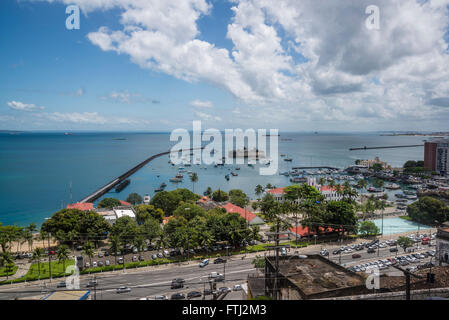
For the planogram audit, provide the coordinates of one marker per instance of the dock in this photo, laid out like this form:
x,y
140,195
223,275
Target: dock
x,y
110,185
387,147
319,167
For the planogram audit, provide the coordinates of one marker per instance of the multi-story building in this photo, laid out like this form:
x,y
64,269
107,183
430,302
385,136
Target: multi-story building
x,y
436,155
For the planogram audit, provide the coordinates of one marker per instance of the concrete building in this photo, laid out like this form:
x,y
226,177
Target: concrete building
x,y
111,215
436,155
442,244
370,163
310,277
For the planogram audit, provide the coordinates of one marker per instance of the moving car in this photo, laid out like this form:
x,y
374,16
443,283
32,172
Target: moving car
x,y
61,284
123,290
237,287
204,263
219,260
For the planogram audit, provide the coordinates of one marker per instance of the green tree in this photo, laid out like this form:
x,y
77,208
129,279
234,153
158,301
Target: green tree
x,y
63,253
259,190
189,211
109,203
238,197
368,228
167,201
88,250
427,210
405,242
37,256
377,167
7,262
150,229
193,178
145,212
208,192
115,244
134,199
220,196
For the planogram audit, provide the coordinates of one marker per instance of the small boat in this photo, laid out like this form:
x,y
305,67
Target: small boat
x,y
163,185
158,189
298,180
238,168
146,199
179,176
412,197
372,189
285,173
176,180
400,195
288,159
234,174
392,186
409,193
227,177
250,165
282,155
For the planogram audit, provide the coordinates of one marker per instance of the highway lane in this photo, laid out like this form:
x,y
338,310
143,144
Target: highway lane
x,y
145,283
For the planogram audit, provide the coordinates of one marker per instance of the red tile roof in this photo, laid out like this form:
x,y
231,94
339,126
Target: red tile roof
x,y
245,214
276,191
166,219
124,203
328,188
81,206
304,231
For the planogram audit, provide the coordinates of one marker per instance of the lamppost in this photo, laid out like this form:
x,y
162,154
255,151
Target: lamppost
x,y
315,236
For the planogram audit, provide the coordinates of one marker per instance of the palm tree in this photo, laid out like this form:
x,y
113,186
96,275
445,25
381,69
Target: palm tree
x,y
88,250
382,204
321,181
72,235
62,254
259,190
193,178
37,256
7,261
115,246
255,233
28,236
208,191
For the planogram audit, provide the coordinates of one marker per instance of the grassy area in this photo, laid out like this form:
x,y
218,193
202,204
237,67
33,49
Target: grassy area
x,y
12,271
56,269
406,218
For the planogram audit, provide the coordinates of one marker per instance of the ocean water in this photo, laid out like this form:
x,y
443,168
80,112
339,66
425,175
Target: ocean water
x,y
36,169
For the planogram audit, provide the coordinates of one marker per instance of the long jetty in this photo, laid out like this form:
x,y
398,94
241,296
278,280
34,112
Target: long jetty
x,y
106,188
387,147
319,167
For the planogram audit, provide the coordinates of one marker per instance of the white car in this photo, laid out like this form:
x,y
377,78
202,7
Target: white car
x,y
123,290
94,264
204,263
237,287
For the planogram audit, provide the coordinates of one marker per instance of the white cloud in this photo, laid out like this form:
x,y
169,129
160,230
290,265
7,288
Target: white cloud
x,y
202,104
312,60
76,117
206,116
17,105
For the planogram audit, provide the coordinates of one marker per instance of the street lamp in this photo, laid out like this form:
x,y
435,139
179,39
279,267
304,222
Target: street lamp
x,y
315,236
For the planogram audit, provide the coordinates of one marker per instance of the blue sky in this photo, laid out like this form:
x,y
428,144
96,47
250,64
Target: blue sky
x,y
284,64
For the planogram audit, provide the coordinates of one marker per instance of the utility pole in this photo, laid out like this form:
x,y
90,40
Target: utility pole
x,y
49,255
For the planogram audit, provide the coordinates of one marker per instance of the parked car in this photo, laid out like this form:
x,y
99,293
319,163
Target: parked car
x,y
100,263
62,284
123,290
224,289
324,252
371,250
135,250
193,294
154,256
219,260
134,258
100,254
120,260
177,296
94,264
204,263
91,284
107,263
160,255
356,256
393,249
87,265
161,297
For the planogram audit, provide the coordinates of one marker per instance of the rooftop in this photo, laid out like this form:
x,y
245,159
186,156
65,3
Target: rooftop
x,y
315,275
81,206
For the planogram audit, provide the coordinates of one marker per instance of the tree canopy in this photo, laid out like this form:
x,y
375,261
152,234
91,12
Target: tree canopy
x,y
109,203
134,199
427,210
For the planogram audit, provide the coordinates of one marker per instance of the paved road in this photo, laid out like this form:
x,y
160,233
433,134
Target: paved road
x,y
147,283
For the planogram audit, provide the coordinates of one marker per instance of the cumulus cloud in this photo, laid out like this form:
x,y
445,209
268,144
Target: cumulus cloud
x,y
202,104
206,116
17,105
310,59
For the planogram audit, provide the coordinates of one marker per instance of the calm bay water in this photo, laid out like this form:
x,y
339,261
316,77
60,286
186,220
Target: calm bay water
x,y
37,168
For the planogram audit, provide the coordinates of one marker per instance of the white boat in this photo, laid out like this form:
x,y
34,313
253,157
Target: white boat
x,y
392,186
146,199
